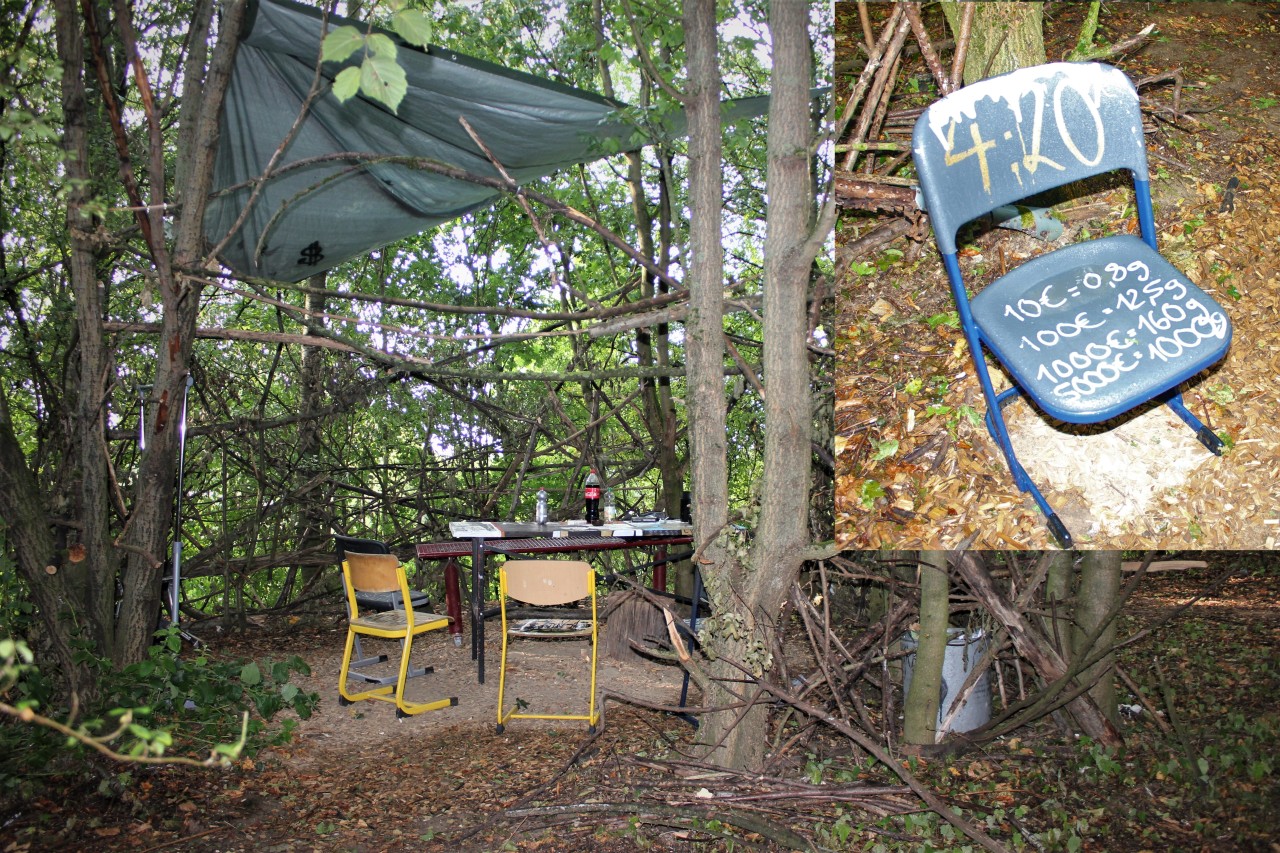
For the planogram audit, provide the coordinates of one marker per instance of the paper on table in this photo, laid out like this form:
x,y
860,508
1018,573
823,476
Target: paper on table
x,y
474,530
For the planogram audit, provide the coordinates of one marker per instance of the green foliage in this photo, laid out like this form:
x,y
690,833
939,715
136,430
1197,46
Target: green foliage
x,y
379,76
166,704
950,319
207,694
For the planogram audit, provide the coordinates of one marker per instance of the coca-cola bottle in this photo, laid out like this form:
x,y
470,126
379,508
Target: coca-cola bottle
x,y
592,494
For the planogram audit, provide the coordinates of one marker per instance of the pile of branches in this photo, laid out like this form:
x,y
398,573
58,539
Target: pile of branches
x,y
834,681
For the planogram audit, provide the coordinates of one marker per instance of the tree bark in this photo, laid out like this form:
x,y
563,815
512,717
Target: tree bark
x,y
1099,588
1004,37
704,345
920,707
29,532
82,580
1056,597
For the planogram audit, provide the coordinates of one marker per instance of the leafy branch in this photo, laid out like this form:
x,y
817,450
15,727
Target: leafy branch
x,y
150,746
378,76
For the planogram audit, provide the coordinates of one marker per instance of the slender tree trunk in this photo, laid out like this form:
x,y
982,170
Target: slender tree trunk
x,y
313,520
1099,586
84,577
152,519
748,599
704,345
923,698
658,404
704,325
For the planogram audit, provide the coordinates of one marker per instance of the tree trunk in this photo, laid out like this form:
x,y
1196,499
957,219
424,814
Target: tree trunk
x,y
93,565
29,532
1099,587
314,517
704,330
74,586
922,700
748,599
1056,597
658,408
1005,37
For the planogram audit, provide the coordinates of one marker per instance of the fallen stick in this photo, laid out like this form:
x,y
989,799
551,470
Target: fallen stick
x,y
1166,565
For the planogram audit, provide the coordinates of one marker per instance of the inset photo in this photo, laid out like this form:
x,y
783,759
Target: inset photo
x,y
1058,286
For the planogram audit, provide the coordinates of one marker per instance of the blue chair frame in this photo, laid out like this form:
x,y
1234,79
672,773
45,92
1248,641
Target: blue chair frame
x,y
1090,331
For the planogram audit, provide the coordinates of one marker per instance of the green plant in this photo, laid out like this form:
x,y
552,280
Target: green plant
x,y
815,769
885,449
871,492
165,705
950,319
1222,394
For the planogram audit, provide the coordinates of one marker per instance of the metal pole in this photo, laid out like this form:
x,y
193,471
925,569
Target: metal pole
x,y
177,533
143,392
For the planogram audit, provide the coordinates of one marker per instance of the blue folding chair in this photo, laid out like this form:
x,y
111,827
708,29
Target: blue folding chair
x,y
1089,331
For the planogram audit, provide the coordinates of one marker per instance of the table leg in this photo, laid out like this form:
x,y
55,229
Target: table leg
x,y
478,583
660,568
453,600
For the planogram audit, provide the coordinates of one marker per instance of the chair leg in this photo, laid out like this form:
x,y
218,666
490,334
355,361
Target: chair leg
x,y
1205,435
361,662
346,698
1000,434
502,677
403,708
592,716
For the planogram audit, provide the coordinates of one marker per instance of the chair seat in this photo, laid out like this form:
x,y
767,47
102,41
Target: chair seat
x,y
393,620
1089,330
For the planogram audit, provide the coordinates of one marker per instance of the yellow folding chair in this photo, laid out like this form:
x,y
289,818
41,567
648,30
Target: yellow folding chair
x,y
546,583
382,573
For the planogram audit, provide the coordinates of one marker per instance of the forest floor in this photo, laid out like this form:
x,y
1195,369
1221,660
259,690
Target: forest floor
x,y
1199,770
915,465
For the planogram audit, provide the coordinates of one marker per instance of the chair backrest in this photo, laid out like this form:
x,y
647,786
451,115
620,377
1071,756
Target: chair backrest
x,y
352,545
1032,130
373,572
546,582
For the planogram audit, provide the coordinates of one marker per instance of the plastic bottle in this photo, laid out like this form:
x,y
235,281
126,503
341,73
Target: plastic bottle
x,y
686,508
591,492
540,514
610,507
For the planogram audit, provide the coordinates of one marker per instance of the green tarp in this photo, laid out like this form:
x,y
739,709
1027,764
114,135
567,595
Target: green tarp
x,y
317,209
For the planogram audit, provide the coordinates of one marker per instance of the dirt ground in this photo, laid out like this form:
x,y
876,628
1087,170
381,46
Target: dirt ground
x,y
917,469
547,676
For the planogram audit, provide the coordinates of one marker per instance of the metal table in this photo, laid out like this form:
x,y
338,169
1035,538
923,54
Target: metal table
x,y
477,539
